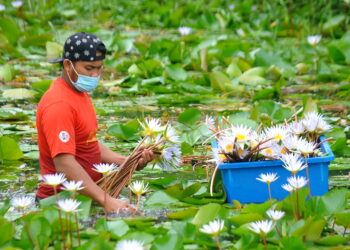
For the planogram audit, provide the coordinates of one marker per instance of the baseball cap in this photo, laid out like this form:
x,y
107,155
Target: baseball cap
x,y
82,47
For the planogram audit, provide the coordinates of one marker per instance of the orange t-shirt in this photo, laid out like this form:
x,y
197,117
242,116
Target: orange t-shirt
x,y
66,124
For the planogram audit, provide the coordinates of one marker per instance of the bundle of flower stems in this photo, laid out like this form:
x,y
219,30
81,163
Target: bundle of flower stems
x,y
114,182
162,140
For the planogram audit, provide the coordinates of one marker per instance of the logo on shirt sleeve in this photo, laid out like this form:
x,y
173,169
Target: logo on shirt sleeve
x,y
64,136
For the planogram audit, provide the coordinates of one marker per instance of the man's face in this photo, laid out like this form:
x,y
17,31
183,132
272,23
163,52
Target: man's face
x,y
93,69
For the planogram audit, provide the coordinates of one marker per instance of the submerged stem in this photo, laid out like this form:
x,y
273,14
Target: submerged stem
x,y
270,196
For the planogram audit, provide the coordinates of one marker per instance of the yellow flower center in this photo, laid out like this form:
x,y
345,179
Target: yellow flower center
x,y
222,156
278,137
240,151
229,147
241,137
269,151
149,132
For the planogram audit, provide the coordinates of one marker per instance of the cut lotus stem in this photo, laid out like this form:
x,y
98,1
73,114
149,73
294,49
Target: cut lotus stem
x,y
60,219
270,196
77,227
213,177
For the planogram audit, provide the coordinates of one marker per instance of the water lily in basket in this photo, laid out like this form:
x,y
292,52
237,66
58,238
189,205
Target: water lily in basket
x,y
21,203
242,134
104,168
297,128
278,132
315,123
305,148
129,245
213,228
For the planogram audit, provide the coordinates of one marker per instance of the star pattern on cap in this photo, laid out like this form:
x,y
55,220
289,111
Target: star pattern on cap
x,y
82,47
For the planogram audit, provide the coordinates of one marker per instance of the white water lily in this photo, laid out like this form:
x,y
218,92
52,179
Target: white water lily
x,y
210,122
226,144
278,132
170,135
314,40
323,126
311,121
72,185
304,147
297,182
104,168
21,203
242,134
68,205
293,163
54,179
231,7
271,150
2,7
287,187
275,215
17,4
151,127
214,227
297,127
138,187
291,142
262,227
129,245
268,178
184,31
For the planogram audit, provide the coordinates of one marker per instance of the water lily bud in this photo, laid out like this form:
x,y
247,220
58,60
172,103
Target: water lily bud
x,y
302,68
274,70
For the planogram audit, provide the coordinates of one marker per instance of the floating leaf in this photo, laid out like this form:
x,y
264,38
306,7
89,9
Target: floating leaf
x,y
19,93
118,227
53,50
176,72
9,149
6,73
208,213
190,116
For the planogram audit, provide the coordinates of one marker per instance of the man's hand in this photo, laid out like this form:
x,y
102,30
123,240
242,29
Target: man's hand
x,y
114,205
146,157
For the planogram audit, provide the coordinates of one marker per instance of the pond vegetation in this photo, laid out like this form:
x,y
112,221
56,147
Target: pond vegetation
x,y
179,61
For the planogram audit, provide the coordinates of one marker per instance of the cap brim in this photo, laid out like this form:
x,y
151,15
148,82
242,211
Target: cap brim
x,y
56,60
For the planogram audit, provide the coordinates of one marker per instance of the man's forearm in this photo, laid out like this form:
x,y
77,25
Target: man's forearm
x,y
108,156
67,164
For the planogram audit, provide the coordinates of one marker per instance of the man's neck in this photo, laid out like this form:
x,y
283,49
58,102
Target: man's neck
x,y
68,82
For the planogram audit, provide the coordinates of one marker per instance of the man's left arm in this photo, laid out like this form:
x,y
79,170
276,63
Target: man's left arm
x,y
108,156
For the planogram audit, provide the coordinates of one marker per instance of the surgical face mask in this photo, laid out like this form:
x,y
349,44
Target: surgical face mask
x,y
84,83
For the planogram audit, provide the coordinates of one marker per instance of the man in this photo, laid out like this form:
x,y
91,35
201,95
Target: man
x,y
67,125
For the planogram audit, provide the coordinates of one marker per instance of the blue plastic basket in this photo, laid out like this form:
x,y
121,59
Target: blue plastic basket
x,y
240,181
